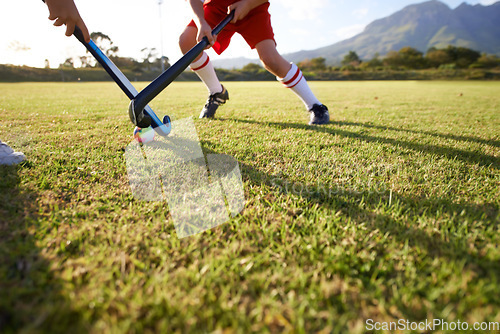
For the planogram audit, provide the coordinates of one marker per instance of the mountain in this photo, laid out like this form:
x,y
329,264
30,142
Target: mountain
x,y
422,26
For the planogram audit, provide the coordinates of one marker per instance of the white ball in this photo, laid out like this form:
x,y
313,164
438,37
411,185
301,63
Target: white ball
x,y
145,135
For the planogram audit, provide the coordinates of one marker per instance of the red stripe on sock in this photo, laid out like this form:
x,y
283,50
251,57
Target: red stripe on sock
x,y
204,64
301,76
292,79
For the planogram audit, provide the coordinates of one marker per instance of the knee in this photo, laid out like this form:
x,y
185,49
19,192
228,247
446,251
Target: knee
x,y
276,64
187,40
183,42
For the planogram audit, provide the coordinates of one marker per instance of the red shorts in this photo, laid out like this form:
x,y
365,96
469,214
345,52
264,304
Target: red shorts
x,y
254,28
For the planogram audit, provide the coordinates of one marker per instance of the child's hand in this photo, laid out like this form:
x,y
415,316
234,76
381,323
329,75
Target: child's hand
x,y
206,31
241,9
65,12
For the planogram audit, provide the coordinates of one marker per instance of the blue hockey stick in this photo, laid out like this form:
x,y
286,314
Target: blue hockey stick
x,y
161,128
159,84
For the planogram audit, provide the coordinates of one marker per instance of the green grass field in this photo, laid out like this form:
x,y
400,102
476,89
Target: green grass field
x,y
390,212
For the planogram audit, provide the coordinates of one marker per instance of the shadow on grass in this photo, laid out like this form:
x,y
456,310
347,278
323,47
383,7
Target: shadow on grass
x,y
427,133
447,152
450,243
349,202
31,297
436,242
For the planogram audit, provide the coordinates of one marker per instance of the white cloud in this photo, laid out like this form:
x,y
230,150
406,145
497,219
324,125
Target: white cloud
x,y
349,31
487,2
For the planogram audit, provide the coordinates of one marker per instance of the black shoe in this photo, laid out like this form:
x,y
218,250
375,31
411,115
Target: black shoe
x,y
319,115
213,102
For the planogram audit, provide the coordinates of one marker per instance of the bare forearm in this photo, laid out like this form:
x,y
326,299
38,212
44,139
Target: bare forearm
x,y
199,14
204,29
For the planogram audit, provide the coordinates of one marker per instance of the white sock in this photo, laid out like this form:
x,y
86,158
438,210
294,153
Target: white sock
x,y
205,70
297,83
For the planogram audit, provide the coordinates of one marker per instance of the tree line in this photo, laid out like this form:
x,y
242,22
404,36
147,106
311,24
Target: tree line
x,y
150,60
409,58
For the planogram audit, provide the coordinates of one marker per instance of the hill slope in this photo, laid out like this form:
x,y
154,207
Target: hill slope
x,y
424,25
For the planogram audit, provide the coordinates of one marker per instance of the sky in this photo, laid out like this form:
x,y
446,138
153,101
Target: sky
x,y
29,38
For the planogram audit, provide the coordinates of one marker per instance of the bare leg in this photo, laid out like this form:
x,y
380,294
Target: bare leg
x,y
202,65
187,40
271,59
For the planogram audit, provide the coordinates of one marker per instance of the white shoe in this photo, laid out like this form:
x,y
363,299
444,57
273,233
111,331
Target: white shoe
x,y
8,156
